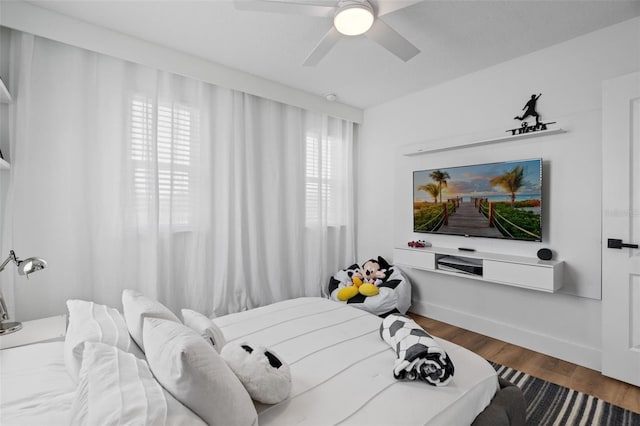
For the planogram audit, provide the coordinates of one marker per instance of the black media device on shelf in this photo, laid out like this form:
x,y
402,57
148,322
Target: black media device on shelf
x,y
493,200
460,264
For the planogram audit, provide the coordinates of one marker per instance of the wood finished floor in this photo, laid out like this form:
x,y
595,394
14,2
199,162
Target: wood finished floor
x,y
536,364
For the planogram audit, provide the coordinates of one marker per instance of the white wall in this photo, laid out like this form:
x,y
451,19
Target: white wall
x,y
480,105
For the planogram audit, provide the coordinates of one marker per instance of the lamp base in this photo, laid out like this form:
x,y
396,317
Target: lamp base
x,y
9,327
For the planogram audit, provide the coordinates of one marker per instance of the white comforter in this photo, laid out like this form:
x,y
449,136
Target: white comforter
x,y
35,387
342,371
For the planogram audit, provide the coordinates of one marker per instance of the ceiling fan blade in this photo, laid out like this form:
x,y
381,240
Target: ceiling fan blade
x,y
323,47
388,38
320,9
387,6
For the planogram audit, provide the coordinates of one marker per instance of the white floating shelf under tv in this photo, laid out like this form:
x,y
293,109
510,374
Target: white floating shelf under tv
x,y
518,271
423,148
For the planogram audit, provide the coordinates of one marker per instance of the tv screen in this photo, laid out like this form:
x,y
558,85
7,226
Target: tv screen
x,y
494,200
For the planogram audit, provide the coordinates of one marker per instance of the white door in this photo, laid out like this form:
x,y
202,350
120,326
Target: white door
x,y
621,223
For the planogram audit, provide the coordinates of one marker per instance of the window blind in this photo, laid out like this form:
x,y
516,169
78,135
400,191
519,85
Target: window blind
x,y
164,143
321,181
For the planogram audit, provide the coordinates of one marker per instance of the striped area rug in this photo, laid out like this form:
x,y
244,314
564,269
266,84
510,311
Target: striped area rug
x,y
551,404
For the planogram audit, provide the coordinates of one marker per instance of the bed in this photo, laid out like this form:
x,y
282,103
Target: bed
x,y
340,370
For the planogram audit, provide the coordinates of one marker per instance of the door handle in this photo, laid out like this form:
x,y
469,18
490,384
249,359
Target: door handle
x,y
618,244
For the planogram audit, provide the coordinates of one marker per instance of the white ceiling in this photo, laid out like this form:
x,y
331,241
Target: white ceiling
x,y
455,38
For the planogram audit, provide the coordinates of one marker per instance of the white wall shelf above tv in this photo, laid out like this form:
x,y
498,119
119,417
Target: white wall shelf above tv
x,y
423,148
518,271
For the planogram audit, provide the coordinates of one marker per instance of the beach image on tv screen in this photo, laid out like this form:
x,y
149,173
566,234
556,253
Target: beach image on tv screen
x,y
495,200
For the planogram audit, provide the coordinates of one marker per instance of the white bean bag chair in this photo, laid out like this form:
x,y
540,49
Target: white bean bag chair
x,y
394,291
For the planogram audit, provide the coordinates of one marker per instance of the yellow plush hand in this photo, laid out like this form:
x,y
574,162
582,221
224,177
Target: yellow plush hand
x,y
368,289
347,293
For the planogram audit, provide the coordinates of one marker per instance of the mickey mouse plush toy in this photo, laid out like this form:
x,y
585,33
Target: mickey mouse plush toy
x,y
366,279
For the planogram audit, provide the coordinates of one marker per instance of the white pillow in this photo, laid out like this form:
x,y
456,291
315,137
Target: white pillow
x,y
117,388
91,322
196,375
204,327
137,307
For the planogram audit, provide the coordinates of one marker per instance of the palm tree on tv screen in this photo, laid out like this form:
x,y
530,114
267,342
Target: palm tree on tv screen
x,y
511,181
440,177
431,189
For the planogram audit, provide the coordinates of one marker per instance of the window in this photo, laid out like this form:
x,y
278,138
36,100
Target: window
x,y
323,185
164,144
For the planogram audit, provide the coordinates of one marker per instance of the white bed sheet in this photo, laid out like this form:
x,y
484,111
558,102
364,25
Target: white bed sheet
x,y
35,388
342,370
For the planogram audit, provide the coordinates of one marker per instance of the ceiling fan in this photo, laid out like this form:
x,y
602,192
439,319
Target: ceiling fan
x,y
350,18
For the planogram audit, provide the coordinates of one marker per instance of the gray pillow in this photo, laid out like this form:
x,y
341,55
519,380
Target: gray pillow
x,y
136,307
196,375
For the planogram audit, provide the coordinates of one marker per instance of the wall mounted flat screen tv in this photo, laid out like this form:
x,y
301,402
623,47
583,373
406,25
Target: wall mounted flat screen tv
x,y
493,200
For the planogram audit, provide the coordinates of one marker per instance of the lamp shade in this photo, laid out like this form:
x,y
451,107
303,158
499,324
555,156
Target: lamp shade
x,y
31,265
353,18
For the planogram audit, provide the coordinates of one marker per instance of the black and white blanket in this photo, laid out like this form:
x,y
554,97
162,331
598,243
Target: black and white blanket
x,y
418,355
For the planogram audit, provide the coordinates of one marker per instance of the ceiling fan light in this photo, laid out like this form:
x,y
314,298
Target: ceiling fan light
x,y
353,19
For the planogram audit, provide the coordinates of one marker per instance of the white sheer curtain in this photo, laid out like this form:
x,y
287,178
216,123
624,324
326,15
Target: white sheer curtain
x,y
203,197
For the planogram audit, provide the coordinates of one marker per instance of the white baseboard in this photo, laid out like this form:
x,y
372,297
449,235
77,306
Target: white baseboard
x,y
549,345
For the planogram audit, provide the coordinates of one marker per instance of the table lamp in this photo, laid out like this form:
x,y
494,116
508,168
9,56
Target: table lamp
x,y
25,267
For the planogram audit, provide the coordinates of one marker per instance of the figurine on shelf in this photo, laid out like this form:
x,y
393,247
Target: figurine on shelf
x,y
530,108
418,244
